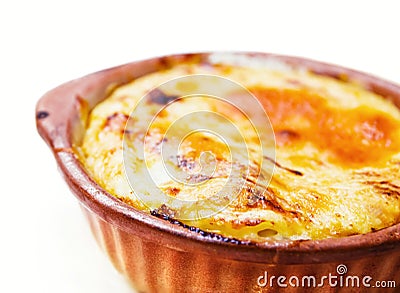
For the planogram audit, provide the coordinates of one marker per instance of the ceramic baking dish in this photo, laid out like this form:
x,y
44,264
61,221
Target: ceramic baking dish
x,y
156,255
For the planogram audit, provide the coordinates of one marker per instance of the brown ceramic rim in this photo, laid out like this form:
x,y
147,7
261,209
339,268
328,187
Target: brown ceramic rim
x,y
59,121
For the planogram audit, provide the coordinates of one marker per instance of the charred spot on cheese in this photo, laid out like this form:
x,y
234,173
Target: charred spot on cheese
x,y
254,197
116,122
385,188
296,172
197,178
286,136
237,224
165,211
185,163
158,97
203,233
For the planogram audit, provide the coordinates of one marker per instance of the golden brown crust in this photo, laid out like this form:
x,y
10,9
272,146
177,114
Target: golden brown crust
x,y
336,166
355,137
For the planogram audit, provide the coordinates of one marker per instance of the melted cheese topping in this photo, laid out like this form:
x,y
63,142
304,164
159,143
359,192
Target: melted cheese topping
x,y
337,154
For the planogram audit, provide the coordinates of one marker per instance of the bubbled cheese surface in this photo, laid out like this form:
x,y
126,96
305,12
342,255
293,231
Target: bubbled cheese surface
x,y
337,154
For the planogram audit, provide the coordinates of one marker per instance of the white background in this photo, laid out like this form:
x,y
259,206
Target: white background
x,y
45,244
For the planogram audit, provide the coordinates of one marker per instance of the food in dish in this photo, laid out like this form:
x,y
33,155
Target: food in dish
x,y
336,164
